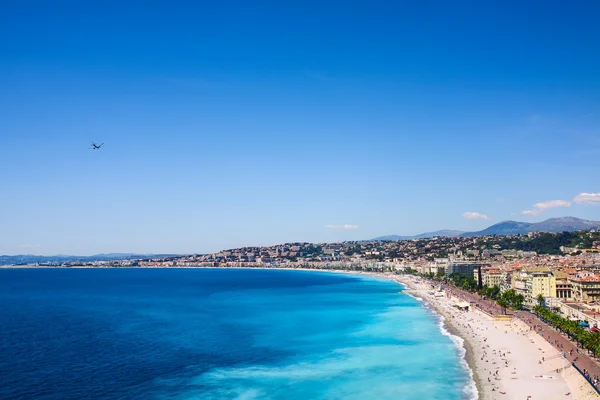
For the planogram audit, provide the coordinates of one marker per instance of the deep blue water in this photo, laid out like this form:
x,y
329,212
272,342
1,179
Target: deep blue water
x,y
218,334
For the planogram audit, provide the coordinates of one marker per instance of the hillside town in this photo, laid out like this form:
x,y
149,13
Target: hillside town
x,y
563,268
544,279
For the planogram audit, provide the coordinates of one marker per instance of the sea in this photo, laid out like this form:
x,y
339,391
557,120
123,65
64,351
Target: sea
x,y
206,334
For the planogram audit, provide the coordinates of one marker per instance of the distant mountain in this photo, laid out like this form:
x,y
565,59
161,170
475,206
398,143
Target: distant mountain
x,y
510,228
564,224
391,238
442,233
445,232
24,259
550,225
502,228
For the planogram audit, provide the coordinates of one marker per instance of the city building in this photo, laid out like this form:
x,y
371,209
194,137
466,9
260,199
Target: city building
x,y
464,267
586,289
540,281
564,287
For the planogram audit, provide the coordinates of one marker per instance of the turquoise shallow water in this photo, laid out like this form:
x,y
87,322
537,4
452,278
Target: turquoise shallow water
x,y
219,334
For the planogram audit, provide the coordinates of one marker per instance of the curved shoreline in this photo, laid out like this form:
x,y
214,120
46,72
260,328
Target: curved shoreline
x,y
444,324
519,363
509,342
473,388
533,378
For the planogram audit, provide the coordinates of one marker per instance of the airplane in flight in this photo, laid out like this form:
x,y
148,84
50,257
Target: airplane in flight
x,y
95,146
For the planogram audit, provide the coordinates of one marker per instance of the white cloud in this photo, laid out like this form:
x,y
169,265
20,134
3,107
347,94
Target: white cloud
x,y
474,215
546,205
346,226
587,198
581,198
539,208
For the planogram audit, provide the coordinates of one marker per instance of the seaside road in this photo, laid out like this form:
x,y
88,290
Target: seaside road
x,y
561,343
556,339
487,306
501,355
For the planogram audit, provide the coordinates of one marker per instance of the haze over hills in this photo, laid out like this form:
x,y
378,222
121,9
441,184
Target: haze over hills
x,y
511,228
444,232
22,259
502,228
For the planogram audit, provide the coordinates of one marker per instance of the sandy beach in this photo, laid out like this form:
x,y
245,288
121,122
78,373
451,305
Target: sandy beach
x,y
508,359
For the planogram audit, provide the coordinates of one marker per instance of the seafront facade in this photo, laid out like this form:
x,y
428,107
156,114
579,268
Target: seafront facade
x,y
566,278
567,283
563,279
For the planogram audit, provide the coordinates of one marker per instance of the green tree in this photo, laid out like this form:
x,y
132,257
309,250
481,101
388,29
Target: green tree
x,y
517,302
540,300
492,292
512,299
588,340
502,302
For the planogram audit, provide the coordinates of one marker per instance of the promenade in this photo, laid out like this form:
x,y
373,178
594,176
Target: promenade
x,y
489,307
569,349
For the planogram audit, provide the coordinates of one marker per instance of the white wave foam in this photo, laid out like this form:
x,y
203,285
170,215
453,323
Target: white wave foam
x,y
470,389
414,297
370,371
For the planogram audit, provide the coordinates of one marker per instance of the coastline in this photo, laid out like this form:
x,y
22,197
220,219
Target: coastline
x,y
507,359
540,371
473,390
468,356
485,345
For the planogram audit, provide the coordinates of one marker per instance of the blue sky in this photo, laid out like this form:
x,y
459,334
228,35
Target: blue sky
x,y
229,124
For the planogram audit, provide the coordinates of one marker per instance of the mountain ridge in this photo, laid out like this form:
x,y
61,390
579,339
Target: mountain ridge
x,y
508,227
552,225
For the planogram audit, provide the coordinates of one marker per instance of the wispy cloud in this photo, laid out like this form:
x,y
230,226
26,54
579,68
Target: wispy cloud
x,y
29,246
587,198
539,208
346,226
474,215
547,205
581,198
